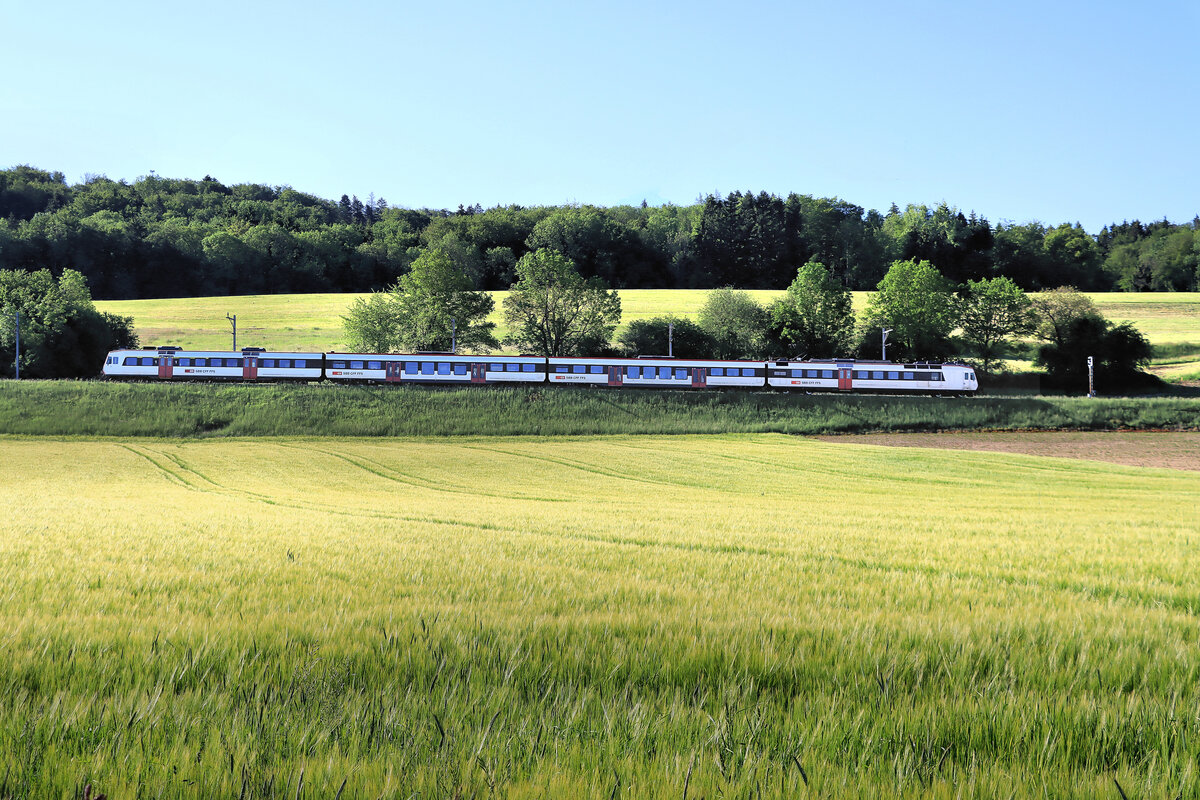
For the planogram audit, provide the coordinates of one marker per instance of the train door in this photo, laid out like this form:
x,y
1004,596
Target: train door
x,y
249,367
391,371
614,376
479,373
166,365
699,378
845,378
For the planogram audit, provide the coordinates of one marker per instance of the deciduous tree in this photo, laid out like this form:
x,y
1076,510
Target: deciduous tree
x,y
737,324
991,311
917,303
553,311
816,316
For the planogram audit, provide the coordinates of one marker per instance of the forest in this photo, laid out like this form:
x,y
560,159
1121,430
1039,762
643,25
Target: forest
x,y
168,237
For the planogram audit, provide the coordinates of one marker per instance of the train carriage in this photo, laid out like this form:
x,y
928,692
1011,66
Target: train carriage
x,y
867,376
443,368
655,373
248,364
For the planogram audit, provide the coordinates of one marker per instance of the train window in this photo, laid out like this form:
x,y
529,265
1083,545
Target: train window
x,y
428,367
337,364
515,367
893,376
937,376
560,369
748,373
267,363
372,365
130,362
797,373
681,374
496,368
356,365
300,363
908,376
596,369
664,372
460,369
528,367
285,363
718,371
826,373
632,372
410,367
578,368
443,368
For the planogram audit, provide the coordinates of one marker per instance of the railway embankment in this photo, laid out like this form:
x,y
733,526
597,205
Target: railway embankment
x,y
95,408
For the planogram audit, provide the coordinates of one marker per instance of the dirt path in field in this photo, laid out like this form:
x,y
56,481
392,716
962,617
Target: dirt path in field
x,y
1173,450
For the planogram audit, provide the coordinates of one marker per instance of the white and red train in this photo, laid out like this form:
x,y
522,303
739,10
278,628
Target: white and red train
x,y
255,364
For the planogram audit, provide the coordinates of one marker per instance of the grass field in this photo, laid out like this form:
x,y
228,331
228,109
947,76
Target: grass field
x,y
313,322
681,617
95,408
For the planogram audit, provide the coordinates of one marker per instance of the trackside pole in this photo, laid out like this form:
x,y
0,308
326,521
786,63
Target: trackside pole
x,y
1091,385
17,363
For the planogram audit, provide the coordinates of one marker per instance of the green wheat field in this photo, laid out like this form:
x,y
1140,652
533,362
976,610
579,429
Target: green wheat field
x,y
736,616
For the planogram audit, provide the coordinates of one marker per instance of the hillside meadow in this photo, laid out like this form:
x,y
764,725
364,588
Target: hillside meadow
x,y
651,617
313,321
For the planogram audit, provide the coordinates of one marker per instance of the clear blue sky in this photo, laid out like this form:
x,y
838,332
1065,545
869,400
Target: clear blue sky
x,y
1054,111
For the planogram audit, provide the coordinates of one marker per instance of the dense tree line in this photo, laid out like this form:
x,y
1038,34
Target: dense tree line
x,y
158,237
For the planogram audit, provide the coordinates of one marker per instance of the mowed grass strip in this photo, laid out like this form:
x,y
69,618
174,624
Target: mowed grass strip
x,y
95,408
312,322
735,616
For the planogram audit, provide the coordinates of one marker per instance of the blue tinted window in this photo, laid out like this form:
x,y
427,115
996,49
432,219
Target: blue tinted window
x,y
517,367
908,376
681,374
664,372
443,368
337,364
356,365
184,362
797,373
130,361
528,367
285,363
717,371
826,373
578,368
496,368
893,376
631,372
268,362
877,375
748,373
371,365
560,369
428,367
460,369
299,362
410,366
596,369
